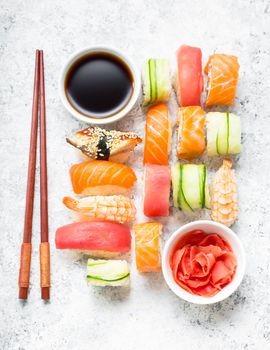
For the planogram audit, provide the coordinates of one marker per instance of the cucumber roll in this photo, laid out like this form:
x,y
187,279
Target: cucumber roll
x,y
223,133
107,273
190,187
156,81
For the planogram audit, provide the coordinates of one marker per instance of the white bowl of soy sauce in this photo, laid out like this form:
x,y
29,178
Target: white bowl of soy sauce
x,y
99,85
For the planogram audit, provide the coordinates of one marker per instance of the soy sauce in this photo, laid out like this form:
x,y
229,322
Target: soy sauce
x,y
99,85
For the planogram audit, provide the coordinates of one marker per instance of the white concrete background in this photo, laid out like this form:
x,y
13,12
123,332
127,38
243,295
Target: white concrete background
x,y
148,316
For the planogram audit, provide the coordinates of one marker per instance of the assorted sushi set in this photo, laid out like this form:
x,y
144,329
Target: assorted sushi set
x,y
201,263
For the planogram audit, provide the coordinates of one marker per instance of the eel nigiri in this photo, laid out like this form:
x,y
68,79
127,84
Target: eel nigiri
x,y
101,177
101,144
102,239
114,273
157,135
191,137
156,200
147,246
224,195
222,73
156,80
119,209
189,77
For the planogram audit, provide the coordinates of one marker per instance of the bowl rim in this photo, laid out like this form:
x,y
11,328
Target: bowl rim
x,y
237,248
106,49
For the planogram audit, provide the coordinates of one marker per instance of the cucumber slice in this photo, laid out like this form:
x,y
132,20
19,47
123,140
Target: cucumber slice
x,y
163,79
191,186
202,179
175,184
223,133
146,83
107,272
156,80
182,200
217,133
153,79
234,146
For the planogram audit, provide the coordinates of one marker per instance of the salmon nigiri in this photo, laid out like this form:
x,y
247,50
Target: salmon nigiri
x,y
101,177
147,246
222,73
191,137
189,77
119,209
157,135
103,239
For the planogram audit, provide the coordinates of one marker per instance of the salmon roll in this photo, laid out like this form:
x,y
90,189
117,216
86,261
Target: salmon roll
x,y
157,135
156,81
191,135
156,190
147,246
189,76
222,71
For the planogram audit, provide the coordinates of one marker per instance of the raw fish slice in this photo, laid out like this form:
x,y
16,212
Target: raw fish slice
x,y
101,144
189,77
100,177
222,73
157,135
156,190
147,246
103,239
109,208
191,136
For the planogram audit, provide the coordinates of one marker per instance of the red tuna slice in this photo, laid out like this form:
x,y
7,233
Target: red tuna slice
x,y
189,76
156,190
94,236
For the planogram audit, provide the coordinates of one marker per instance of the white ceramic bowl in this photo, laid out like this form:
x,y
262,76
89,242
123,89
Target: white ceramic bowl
x,y
208,227
136,84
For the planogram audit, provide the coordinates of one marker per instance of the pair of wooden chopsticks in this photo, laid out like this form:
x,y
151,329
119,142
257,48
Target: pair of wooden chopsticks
x,y
26,247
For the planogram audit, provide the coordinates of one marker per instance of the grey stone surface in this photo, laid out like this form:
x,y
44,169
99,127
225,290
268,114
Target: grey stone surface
x,y
148,316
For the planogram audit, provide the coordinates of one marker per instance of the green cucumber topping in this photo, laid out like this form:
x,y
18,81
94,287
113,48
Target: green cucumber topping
x,y
107,272
223,133
190,188
156,80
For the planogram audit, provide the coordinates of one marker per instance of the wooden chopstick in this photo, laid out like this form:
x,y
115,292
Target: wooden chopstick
x,y
44,248
26,247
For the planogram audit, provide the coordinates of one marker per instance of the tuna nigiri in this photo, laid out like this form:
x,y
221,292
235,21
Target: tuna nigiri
x,y
101,177
101,144
189,77
156,190
119,209
103,239
222,73
147,246
191,138
157,135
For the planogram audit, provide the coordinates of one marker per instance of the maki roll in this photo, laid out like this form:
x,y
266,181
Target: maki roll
x,y
222,71
191,135
189,76
223,133
156,81
190,187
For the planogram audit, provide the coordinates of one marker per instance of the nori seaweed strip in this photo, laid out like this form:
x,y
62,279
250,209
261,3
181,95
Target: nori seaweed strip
x,y
103,148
